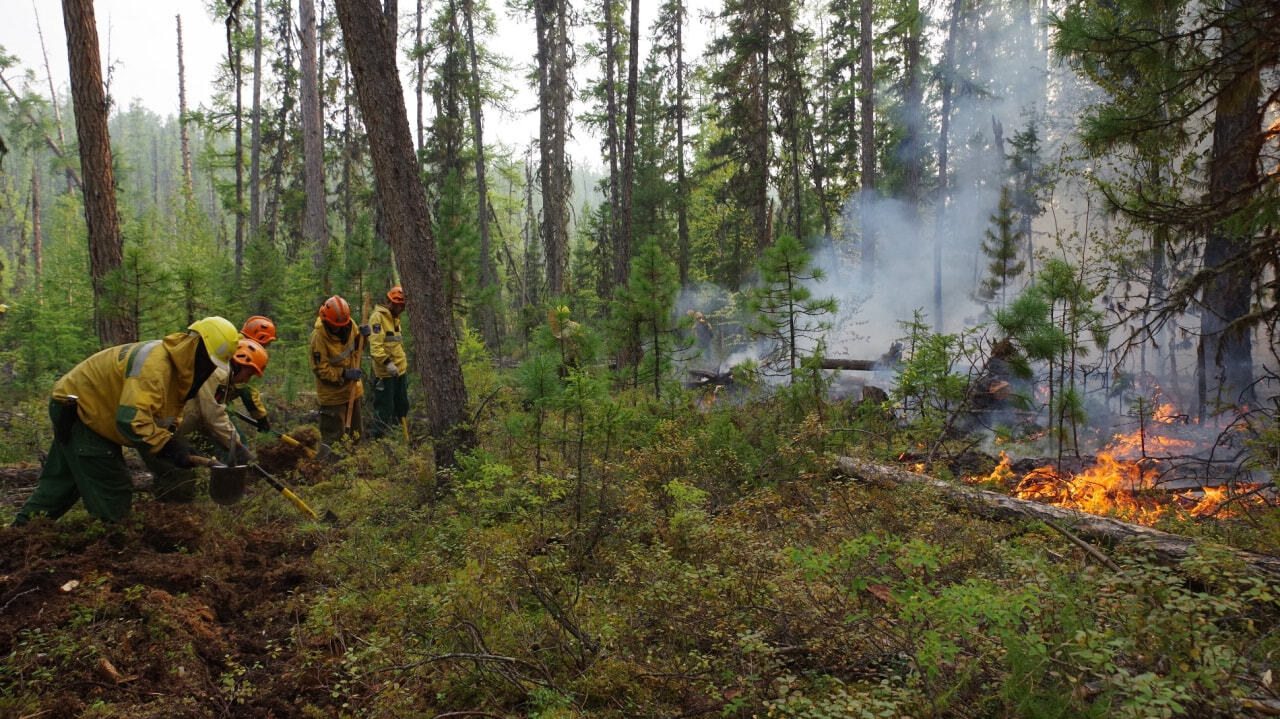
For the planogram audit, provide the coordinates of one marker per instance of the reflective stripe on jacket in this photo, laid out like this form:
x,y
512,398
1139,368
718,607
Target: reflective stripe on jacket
x,y
329,357
133,394
386,341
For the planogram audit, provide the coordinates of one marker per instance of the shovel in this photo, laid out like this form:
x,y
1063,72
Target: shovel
x,y
311,453
226,483
329,516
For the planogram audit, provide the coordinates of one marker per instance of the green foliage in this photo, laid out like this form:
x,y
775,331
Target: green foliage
x,y
783,307
933,384
1052,321
1003,247
647,305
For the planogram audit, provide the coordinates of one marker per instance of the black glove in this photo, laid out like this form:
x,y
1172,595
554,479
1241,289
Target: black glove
x,y
177,452
352,375
365,330
263,424
242,455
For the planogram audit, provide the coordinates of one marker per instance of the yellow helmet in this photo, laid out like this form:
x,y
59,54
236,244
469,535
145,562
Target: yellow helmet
x,y
220,338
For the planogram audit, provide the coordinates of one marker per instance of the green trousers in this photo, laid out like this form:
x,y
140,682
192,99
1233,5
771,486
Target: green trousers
x,y
87,467
390,403
333,417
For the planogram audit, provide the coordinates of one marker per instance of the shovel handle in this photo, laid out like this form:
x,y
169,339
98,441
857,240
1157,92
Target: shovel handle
x,y
311,453
288,493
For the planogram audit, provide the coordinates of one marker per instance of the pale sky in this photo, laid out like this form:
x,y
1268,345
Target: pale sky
x,y
139,42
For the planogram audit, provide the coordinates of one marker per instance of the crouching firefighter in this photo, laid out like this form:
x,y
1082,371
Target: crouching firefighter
x,y
206,415
129,395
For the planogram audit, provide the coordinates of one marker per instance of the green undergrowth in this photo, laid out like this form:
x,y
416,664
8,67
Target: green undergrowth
x,y
624,557
714,562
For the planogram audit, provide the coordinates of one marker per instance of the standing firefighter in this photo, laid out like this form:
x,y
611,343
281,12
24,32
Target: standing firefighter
x,y
207,413
127,395
335,361
263,331
386,346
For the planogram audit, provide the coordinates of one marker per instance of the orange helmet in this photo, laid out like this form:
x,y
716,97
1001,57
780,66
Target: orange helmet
x,y
395,295
250,354
336,311
259,329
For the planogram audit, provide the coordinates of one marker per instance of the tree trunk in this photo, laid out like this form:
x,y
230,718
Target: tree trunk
x,y
314,227
611,147
490,290
404,203
629,354
942,205
867,140
420,60
552,23
682,185
993,505
239,160
37,235
1226,343
101,215
255,127
73,181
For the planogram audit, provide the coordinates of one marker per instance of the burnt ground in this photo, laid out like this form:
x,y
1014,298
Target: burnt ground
x,y
175,612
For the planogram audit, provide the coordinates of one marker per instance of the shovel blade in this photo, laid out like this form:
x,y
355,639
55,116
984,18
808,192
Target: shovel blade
x,y
226,484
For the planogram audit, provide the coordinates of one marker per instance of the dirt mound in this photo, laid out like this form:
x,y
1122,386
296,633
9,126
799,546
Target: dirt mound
x,y
159,615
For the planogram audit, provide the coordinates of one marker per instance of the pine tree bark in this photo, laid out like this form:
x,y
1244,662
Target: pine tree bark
x,y
101,214
490,290
255,127
404,203
551,20
314,227
611,141
682,184
1226,346
623,240
942,205
182,117
37,233
867,144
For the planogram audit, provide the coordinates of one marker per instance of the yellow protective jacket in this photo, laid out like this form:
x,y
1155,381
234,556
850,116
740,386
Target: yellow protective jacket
x,y
207,413
329,356
386,343
133,394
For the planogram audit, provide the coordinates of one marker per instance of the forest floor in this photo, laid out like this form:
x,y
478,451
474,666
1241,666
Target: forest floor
x,y
165,614
720,566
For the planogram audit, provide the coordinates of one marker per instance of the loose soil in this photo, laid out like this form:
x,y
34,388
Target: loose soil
x,y
174,612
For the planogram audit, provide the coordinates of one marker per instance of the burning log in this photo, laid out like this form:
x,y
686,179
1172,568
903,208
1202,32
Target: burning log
x,y
992,505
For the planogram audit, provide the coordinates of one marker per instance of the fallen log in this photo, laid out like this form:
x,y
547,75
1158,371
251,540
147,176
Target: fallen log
x,y
993,505
849,364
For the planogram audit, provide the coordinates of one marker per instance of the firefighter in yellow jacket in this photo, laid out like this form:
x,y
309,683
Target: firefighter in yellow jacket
x,y
386,347
207,413
263,331
130,395
335,361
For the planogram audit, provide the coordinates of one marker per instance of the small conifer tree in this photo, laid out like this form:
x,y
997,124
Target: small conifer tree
x,y
1002,246
783,306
